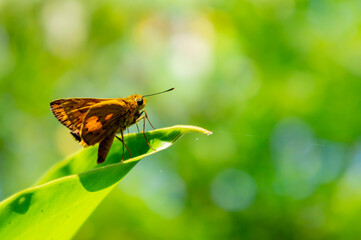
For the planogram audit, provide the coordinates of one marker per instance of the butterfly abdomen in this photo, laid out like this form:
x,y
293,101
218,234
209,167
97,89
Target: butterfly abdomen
x,y
104,147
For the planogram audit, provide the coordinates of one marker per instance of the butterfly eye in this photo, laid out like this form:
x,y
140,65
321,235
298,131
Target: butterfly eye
x,y
139,101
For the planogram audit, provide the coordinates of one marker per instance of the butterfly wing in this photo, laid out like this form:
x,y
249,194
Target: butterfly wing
x,y
102,120
71,112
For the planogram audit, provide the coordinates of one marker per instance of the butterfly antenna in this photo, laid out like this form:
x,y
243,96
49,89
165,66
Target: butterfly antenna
x,y
159,92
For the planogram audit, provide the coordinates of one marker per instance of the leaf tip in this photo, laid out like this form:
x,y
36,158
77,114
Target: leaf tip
x,y
187,128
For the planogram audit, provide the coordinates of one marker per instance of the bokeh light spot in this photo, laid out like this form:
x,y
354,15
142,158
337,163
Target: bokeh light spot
x,y
302,162
233,190
65,27
353,176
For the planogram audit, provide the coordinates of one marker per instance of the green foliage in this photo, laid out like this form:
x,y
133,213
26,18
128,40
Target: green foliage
x,y
278,81
64,198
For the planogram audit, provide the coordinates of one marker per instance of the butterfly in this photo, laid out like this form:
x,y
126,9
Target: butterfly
x,y
98,120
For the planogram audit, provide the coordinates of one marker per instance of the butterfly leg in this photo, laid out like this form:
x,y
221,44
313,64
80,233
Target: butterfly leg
x,y
122,145
143,131
146,116
136,124
122,141
123,148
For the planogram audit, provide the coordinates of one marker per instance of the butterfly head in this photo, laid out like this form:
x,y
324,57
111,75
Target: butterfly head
x,y
140,101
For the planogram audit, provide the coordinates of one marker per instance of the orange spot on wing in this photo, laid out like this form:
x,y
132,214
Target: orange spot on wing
x,y
109,116
92,124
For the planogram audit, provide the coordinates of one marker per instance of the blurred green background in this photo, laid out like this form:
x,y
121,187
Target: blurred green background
x,y
278,82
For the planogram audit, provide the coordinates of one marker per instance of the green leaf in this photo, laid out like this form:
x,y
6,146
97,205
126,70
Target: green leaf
x,y
63,199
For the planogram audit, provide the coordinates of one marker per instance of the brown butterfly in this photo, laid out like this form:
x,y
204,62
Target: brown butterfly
x,y
97,120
